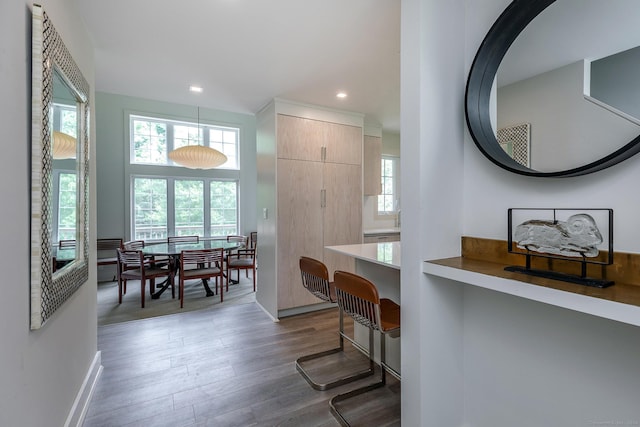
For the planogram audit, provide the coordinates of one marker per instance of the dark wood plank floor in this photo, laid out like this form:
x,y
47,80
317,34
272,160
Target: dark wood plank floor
x,y
229,366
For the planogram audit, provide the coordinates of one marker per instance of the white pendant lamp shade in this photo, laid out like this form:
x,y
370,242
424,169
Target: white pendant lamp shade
x,y
64,146
197,157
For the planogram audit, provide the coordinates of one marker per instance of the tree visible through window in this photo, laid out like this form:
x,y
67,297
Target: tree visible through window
x,y
158,215
67,202
152,139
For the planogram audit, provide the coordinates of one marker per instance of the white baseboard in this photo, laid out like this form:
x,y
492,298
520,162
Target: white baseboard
x,y
267,311
81,404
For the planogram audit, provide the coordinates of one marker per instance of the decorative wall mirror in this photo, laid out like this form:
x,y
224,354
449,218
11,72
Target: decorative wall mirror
x,y
549,48
59,172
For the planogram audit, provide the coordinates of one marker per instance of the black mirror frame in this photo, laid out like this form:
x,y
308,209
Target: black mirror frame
x,y
495,45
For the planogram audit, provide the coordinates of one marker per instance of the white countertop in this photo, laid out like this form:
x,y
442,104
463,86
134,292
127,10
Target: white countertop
x,y
387,253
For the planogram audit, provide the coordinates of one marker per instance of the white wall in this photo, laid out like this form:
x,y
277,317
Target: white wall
x,y
432,90
528,364
43,370
567,130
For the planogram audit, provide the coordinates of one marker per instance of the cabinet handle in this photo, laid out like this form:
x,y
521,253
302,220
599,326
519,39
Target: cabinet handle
x,y
323,198
323,154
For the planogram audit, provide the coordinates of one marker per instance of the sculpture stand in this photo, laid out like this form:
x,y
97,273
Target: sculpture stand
x,y
565,277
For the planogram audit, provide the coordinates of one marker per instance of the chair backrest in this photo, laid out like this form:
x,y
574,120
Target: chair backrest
x,y
237,238
67,244
108,244
204,257
133,245
183,239
130,259
315,278
358,298
253,239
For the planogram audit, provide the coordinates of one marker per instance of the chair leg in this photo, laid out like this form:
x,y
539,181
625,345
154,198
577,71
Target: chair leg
x,y
358,391
254,279
181,292
120,290
143,283
340,381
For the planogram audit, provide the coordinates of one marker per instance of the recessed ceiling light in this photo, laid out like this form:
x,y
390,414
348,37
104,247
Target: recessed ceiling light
x,y
196,89
341,95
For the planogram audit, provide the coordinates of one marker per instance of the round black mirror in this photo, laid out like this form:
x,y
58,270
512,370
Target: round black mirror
x,y
483,86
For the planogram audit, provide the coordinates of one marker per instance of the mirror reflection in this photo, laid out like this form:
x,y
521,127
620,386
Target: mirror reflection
x,y
64,218
569,78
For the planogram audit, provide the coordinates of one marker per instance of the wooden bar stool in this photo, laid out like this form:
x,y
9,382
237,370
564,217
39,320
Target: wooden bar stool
x,y
358,298
315,278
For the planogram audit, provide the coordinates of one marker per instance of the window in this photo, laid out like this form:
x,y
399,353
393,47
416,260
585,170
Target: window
x,y
152,139
66,209
174,206
387,200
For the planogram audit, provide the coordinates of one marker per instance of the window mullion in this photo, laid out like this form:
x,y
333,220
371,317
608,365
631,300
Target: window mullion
x,y
207,207
171,206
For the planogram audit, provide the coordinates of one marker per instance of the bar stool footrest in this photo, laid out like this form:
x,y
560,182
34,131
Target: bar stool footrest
x,y
332,384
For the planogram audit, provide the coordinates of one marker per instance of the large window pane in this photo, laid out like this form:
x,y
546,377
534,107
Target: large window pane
x,y
189,208
149,142
153,138
186,135
67,202
150,208
224,208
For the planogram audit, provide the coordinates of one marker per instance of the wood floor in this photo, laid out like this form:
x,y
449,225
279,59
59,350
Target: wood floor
x,y
229,366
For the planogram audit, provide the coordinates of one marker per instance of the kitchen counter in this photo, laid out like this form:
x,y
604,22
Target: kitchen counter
x,y
379,263
386,253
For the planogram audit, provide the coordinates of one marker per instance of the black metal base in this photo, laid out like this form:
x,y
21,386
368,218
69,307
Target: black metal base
x,y
586,281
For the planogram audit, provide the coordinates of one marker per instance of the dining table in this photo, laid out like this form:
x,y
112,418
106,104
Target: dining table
x,y
172,252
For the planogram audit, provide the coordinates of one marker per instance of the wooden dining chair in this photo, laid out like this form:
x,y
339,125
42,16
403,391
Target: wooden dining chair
x,y
315,279
358,297
132,265
253,239
201,264
183,239
106,251
242,259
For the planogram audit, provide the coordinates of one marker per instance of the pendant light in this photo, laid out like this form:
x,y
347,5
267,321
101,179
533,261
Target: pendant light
x,y
64,146
198,156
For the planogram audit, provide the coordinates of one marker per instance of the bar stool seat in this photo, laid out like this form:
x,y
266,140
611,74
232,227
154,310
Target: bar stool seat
x,y
315,278
358,298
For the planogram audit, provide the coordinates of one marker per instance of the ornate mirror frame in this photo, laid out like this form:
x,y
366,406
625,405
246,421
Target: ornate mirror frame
x,y
50,290
483,71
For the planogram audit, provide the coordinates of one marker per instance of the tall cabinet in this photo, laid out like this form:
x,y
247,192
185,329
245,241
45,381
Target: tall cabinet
x,y
310,196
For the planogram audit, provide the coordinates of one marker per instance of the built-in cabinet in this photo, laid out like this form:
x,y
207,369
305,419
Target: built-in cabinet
x,y
372,165
317,175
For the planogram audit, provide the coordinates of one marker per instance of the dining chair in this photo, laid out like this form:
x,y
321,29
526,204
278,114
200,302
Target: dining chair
x,y
201,264
253,239
358,298
183,239
106,249
242,259
132,265
315,279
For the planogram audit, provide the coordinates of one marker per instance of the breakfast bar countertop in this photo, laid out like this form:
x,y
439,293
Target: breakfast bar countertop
x,y
385,253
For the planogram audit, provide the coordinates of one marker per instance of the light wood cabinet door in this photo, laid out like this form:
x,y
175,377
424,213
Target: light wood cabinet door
x,y
300,138
342,213
344,143
372,165
299,227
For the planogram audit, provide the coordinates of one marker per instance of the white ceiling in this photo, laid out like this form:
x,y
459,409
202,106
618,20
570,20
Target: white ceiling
x,y
246,52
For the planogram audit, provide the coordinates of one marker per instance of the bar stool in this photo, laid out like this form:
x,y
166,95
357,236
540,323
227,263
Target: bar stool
x,y
315,278
358,298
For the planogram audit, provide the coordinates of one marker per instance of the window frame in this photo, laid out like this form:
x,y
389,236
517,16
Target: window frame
x,y
204,138
396,185
171,206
